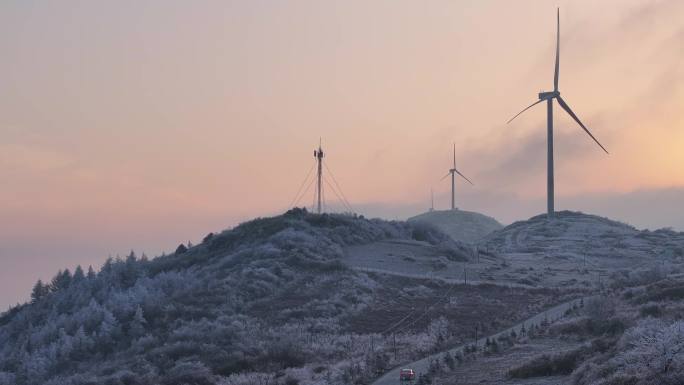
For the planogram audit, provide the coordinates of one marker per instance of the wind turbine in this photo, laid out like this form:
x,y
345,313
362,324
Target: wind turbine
x,y
548,97
453,173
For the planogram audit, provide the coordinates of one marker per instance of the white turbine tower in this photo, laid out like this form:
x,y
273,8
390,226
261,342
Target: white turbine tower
x,y
548,97
453,171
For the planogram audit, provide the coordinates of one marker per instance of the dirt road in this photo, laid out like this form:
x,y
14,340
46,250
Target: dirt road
x,y
421,366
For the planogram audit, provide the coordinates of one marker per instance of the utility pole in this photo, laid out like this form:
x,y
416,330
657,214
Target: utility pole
x,y
475,335
599,279
318,154
394,338
465,275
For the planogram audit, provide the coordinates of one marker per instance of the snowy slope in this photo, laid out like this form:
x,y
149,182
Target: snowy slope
x,y
465,226
578,233
271,301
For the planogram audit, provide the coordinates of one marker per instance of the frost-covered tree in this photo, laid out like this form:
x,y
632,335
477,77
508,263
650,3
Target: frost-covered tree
x,y
109,331
181,249
91,273
438,329
653,351
138,324
40,290
78,274
215,312
61,281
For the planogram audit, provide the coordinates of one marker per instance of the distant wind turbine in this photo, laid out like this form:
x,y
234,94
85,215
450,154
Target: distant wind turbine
x,y
548,97
453,172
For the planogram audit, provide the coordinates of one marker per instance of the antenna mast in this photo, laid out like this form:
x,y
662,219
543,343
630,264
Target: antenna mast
x,y
318,154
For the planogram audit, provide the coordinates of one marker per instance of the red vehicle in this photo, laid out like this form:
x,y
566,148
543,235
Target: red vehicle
x,y
407,375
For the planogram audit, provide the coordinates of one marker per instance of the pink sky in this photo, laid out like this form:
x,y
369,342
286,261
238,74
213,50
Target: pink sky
x,y
132,125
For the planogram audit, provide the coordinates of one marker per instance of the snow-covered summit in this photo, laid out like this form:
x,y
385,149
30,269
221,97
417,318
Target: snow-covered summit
x,y
576,232
465,226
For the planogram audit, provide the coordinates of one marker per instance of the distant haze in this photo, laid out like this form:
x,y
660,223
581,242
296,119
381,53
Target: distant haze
x,y
139,125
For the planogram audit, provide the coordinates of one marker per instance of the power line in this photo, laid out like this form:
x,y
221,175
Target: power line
x,y
338,186
427,309
398,323
344,203
305,191
313,203
295,200
323,192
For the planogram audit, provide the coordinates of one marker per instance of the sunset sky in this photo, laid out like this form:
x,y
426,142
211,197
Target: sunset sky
x,y
142,124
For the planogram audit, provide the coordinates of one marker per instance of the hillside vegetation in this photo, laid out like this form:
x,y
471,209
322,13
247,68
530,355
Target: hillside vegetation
x,y
267,302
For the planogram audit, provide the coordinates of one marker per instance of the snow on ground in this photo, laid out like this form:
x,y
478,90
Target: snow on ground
x,y
493,370
464,226
573,250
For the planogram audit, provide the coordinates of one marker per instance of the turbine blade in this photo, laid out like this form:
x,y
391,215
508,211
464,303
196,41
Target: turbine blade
x,y
572,114
555,73
454,154
444,177
527,108
464,177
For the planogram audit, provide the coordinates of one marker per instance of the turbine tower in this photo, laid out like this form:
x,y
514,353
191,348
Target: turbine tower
x,y
432,200
318,154
453,171
549,97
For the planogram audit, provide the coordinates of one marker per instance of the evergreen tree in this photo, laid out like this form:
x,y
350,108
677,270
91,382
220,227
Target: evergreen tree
x,y
61,281
138,324
82,344
107,266
109,331
208,238
91,273
181,249
130,271
39,291
78,274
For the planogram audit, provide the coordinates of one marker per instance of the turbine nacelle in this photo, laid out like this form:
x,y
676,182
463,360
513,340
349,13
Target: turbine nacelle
x,y
548,95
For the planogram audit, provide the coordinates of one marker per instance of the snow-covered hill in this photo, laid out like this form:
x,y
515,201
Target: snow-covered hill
x,y
271,301
311,299
465,226
577,233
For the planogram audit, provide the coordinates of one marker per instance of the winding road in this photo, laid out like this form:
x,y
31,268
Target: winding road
x,y
421,366
437,276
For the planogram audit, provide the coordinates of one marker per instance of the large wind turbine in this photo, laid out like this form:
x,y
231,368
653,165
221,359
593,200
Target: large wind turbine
x,y
548,97
453,173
